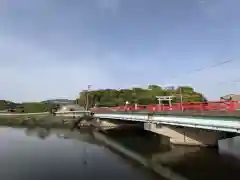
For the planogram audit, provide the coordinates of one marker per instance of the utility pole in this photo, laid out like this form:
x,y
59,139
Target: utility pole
x,y
88,89
181,97
135,98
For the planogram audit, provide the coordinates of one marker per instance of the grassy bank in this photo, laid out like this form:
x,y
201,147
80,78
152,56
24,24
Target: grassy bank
x,y
45,121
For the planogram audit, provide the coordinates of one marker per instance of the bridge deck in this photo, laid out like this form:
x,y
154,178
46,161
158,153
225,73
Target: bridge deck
x,y
219,123
219,115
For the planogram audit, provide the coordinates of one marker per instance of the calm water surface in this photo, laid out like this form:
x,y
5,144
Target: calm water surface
x,y
61,154
194,163
36,154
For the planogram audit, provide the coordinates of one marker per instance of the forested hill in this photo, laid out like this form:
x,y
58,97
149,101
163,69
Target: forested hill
x,y
113,97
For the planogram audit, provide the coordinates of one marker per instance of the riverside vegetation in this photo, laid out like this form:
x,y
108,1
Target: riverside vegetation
x,y
99,98
108,97
141,96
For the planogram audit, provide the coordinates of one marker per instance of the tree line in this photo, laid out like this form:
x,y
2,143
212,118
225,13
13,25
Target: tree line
x,y
141,96
28,107
110,98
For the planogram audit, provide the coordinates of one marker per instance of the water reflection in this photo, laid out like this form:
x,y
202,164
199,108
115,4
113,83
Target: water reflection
x,y
41,133
230,146
80,152
176,154
62,155
45,133
194,163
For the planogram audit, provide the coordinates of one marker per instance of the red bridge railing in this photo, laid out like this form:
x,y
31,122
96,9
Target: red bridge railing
x,y
186,106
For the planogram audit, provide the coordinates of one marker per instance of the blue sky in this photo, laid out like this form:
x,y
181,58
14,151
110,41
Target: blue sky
x,y
55,48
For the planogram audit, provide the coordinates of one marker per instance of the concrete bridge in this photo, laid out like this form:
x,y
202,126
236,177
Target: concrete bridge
x,y
175,129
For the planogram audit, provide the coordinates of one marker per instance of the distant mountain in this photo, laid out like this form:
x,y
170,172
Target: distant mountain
x,y
59,101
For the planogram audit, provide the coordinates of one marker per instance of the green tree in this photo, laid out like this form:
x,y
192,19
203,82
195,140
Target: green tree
x,y
113,97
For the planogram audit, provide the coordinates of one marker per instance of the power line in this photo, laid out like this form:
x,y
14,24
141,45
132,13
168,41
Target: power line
x,y
205,68
214,65
228,82
236,81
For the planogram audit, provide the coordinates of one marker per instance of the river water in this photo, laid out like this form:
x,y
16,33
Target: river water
x,y
38,154
193,163
27,153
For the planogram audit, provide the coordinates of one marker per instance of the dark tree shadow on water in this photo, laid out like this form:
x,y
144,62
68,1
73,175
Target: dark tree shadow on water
x,y
41,133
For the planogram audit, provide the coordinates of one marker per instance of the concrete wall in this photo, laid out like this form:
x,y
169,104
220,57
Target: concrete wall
x,y
185,136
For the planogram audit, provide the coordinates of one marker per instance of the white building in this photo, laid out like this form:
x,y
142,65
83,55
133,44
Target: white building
x,y
71,107
234,97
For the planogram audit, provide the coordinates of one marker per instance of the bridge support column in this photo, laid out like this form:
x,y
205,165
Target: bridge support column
x,y
186,136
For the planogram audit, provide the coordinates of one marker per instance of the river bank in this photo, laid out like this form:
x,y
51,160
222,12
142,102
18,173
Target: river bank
x,y
37,121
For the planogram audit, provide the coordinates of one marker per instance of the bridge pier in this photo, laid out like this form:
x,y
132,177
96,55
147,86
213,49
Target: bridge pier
x,y
185,136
